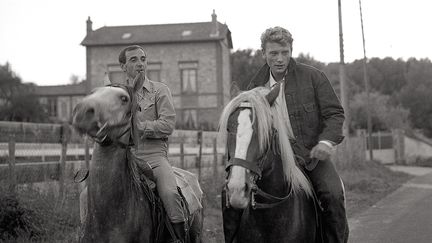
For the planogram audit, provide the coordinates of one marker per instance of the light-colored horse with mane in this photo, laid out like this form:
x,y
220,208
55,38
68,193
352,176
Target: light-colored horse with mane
x,y
118,203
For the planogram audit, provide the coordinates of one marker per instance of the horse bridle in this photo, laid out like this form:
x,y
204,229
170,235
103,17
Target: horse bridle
x,y
256,169
102,137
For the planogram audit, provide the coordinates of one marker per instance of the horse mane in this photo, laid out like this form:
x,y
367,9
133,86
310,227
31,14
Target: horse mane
x,y
260,114
267,117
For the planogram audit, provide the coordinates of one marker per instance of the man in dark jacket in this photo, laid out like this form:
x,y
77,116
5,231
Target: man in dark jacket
x,y
315,116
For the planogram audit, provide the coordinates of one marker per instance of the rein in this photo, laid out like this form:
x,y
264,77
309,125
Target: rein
x,y
257,168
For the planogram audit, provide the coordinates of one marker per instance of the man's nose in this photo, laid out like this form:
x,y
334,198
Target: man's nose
x,y
279,57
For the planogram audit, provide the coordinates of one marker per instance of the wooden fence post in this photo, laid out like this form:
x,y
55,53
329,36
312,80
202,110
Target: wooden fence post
x,y
12,176
62,167
198,161
182,154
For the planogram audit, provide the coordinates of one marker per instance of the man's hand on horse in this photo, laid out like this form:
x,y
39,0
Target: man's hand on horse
x,y
321,151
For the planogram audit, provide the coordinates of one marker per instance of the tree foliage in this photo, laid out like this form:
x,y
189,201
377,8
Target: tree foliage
x,y
400,90
17,100
244,65
384,115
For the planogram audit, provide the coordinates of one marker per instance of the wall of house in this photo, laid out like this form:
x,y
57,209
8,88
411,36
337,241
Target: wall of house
x,y
416,149
212,59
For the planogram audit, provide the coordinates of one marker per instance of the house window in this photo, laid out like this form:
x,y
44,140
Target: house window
x,y
190,119
189,81
116,74
153,71
189,76
154,75
52,106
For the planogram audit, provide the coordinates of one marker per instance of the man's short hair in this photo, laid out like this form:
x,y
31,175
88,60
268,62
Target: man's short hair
x,y
122,55
276,34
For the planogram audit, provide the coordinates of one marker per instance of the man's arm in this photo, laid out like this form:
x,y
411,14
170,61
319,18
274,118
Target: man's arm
x,y
331,111
164,124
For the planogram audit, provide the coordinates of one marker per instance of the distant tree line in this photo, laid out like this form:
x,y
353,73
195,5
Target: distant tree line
x,y
400,95
400,91
17,100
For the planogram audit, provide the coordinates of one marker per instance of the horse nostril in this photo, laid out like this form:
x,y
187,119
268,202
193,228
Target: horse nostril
x,y
90,111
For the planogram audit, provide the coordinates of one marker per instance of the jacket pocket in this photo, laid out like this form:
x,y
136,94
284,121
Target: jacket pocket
x,y
311,114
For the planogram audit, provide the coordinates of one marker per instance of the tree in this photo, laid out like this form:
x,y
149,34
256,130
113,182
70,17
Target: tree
x,y
17,100
244,65
415,95
310,60
385,115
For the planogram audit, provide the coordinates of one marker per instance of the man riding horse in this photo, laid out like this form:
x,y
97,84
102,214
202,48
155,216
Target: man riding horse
x,y
313,118
155,120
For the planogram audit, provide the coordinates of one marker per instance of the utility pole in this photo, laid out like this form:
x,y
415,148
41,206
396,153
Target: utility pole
x,y
342,80
366,81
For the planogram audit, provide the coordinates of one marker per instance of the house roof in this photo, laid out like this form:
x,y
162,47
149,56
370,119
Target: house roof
x,y
61,90
160,33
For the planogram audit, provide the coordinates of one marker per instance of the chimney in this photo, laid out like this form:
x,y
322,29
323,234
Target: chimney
x,y
89,26
215,24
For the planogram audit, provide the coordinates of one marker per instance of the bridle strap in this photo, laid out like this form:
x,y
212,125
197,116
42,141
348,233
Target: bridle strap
x,y
246,164
275,200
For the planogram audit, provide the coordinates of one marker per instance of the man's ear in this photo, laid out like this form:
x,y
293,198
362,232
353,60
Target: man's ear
x,y
123,67
106,80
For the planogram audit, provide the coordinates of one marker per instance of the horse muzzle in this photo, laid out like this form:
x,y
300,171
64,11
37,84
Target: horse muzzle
x,y
237,197
85,119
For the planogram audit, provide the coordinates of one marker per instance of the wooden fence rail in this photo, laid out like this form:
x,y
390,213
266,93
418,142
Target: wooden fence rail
x,y
191,150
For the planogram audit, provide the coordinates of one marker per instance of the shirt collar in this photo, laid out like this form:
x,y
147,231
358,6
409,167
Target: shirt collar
x,y
146,84
271,80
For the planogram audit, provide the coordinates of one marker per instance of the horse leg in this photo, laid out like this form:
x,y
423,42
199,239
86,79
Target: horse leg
x,y
83,205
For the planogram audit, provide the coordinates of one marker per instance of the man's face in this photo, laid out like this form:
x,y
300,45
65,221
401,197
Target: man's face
x,y
277,57
136,61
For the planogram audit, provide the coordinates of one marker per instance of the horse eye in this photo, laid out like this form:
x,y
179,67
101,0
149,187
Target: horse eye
x,y
124,98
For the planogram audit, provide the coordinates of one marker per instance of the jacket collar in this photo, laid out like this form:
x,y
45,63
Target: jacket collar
x,y
262,76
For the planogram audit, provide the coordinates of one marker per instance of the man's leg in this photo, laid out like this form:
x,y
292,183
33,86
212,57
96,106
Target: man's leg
x,y
328,187
167,189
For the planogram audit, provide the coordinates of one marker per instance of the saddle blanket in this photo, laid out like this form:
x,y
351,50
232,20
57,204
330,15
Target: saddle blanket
x,y
190,188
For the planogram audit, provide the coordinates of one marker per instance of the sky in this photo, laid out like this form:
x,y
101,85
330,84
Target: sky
x,y
41,39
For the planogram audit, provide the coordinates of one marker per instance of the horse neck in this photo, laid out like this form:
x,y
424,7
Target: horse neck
x,y
108,172
114,204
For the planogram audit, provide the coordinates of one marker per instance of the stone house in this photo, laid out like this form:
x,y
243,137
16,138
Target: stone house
x,y
193,59
59,100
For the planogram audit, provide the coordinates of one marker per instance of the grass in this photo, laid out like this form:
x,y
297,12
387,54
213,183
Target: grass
x,y
54,219
368,183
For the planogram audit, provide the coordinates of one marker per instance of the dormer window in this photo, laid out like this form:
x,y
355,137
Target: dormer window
x,y
126,36
186,33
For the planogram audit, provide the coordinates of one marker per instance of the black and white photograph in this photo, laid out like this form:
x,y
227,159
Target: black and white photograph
x,y
216,121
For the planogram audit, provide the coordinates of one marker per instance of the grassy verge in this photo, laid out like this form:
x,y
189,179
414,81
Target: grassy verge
x,y
48,218
367,183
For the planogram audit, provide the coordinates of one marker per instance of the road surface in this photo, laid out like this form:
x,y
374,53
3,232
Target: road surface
x,y
404,216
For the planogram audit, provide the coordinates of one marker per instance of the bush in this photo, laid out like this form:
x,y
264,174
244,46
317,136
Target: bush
x,y
17,220
30,215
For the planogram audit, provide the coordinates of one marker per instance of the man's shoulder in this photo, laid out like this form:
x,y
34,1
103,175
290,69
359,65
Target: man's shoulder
x,y
158,86
307,68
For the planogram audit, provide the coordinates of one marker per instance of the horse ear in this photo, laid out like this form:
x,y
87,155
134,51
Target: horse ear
x,y
106,80
273,94
235,89
138,81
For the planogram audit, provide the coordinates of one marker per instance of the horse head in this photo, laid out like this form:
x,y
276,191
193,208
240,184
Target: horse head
x,y
106,114
250,123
